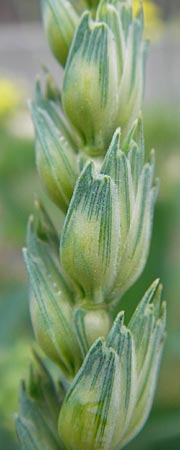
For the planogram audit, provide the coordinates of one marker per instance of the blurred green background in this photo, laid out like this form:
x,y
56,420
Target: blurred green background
x,y
19,184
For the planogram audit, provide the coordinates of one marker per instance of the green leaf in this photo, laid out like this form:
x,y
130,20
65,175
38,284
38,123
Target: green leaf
x,y
117,166
56,160
51,307
33,431
121,340
60,21
43,231
54,111
136,199
42,389
92,67
88,409
91,323
111,395
148,329
109,14
89,240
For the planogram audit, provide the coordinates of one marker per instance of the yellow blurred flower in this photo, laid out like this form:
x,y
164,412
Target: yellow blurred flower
x,y
152,18
10,97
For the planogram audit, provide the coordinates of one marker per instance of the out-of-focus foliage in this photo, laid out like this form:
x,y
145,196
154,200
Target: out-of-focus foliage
x,y
16,168
17,175
14,359
10,97
15,338
16,163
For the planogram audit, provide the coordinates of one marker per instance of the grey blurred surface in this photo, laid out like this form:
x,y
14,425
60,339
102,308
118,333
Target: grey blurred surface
x,y
28,10
24,49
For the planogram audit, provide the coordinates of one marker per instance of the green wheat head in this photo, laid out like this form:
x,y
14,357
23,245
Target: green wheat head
x,y
90,158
